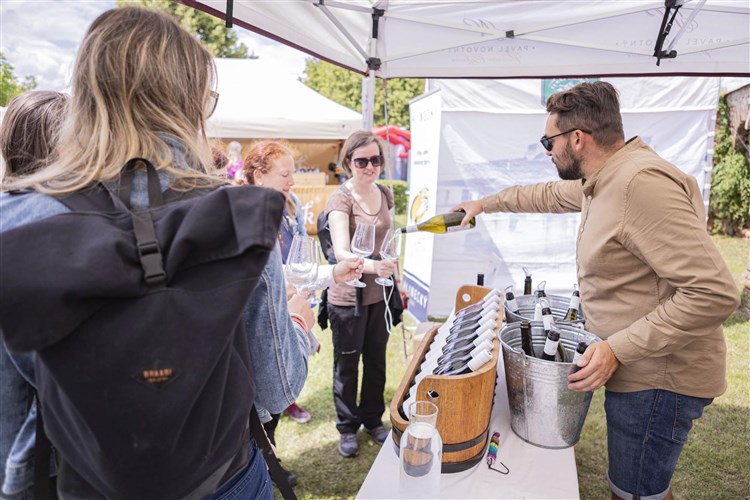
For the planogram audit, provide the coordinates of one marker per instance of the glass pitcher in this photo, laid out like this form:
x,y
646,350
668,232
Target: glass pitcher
x,y
421,452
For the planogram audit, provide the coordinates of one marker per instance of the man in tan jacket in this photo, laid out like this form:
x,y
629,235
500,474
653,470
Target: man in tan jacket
x,y
654,284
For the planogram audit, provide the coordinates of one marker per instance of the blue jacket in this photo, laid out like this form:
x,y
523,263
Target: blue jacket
x,y
279,348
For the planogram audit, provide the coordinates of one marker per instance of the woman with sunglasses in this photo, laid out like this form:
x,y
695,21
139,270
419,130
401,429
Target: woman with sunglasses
x,y
359,332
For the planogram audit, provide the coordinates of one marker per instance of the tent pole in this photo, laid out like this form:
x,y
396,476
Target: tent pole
x,y
373,64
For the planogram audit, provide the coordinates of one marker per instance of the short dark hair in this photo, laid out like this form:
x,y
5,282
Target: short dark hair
x,y
592,106
356,140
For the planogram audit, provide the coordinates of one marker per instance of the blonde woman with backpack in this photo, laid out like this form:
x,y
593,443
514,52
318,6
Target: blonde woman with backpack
x,y
148,362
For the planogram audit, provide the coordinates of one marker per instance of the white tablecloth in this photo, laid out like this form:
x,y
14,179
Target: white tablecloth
x,y
534,472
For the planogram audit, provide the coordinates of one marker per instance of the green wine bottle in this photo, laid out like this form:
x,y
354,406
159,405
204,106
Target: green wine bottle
x,y
442,223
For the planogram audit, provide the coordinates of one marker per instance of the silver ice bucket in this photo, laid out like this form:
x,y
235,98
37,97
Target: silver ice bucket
x,y
557,304
543,411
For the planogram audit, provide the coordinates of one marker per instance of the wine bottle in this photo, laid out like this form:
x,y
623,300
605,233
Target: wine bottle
x,y
442,223
540,289
550,345
547,317
480,343
472,329
510,299
526,342
473,365
527,281
580,349
575,301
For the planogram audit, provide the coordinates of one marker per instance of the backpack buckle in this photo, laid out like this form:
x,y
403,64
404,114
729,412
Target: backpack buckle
x,y
150,257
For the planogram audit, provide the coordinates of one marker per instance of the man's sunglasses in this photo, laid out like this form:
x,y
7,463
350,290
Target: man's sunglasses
x,y
547,143
376,161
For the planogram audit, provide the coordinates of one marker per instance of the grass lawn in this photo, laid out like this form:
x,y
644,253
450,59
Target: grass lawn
x,y
714,465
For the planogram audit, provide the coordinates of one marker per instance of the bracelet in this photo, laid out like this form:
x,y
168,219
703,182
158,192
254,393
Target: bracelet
x,y
300,321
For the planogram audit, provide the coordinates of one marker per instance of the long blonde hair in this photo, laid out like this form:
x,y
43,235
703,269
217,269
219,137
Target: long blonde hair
x,y
137,74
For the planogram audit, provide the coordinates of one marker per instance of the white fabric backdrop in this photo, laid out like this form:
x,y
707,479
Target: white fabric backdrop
x,y
489,140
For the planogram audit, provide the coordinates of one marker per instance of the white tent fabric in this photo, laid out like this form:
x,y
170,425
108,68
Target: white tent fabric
x,y
257,100
483,136
506,38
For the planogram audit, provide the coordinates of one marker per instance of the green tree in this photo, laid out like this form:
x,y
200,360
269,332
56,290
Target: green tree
x,y
10,86
345,87
216,37
729,207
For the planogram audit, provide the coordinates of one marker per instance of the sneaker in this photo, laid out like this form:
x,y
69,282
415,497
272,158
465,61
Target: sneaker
x,y
379,434
348,445
297,414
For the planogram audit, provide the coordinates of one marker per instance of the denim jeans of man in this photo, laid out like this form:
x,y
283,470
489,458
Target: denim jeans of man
x,y
646,431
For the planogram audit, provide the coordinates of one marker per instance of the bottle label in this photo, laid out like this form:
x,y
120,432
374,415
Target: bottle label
x,y
550,347
453,229
547,320
512,305
575,302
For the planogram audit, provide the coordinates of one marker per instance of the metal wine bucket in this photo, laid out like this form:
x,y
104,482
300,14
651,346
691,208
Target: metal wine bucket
x,y
558,305
543,411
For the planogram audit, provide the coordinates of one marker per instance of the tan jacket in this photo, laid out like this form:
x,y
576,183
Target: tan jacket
x,y
652,282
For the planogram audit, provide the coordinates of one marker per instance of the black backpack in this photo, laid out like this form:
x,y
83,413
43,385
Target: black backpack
x,y
142,365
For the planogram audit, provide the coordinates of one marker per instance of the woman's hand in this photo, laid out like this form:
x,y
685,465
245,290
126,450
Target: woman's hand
x,y
348,269
385,268
299,305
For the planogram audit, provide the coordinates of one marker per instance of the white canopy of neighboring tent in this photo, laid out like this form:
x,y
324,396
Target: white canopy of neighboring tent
x,y
507,38
258,100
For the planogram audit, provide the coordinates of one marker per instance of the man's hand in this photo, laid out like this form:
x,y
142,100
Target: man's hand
x,y
348,269
597,364
472,209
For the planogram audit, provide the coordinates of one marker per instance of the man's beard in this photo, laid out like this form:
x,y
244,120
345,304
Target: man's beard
x,y
568,165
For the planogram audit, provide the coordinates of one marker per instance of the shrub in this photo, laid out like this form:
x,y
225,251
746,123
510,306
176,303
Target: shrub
x,y
400,197
729,207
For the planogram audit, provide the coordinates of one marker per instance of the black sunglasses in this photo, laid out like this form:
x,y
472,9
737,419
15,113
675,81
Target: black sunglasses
x,y
376,161
547,143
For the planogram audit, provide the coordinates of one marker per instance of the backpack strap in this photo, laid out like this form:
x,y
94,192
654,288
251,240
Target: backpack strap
x,y
42,454
274,468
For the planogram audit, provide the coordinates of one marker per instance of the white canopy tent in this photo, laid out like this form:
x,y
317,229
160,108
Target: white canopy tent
x,y
505,38
257,100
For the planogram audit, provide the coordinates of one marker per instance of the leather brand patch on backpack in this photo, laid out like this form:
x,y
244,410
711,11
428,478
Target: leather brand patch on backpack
x,y
157,378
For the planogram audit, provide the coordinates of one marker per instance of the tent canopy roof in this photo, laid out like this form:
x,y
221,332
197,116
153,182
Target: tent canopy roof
x,y
258,100
506,38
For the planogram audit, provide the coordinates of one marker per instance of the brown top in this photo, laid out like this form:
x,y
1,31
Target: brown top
x,y
343,201
652,281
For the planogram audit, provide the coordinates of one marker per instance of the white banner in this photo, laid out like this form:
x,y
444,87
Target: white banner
x,y
423,177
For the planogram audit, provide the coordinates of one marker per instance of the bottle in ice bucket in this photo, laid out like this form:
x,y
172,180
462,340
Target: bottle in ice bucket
x,y
442,223
540,290
575,301
510,299
421,453
580,349
550,345
526,343
527,281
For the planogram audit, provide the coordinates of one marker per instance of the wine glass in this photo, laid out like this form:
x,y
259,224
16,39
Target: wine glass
x,y
363,244
389,250
301,267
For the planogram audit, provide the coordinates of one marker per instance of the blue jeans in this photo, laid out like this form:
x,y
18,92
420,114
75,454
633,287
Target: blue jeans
x,y
646,431
253,482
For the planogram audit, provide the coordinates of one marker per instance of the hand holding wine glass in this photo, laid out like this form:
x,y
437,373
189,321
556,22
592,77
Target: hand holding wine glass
x,y
301,267
389,250
363,244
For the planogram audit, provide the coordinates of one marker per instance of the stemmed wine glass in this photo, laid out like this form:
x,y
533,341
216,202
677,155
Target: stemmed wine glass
x,y
301,267
389,250
363,244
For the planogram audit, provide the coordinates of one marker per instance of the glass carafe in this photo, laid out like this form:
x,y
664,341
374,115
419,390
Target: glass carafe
x,y
421,452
